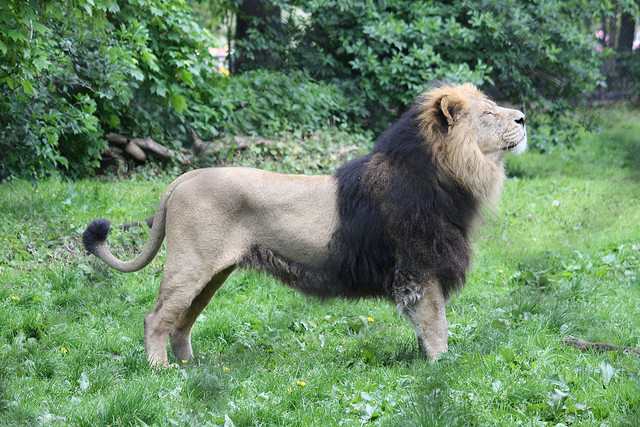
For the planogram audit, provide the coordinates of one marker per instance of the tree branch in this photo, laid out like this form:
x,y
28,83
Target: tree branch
x,y
597,346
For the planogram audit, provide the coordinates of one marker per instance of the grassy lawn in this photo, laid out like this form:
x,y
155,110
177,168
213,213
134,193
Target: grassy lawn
x,y
560,259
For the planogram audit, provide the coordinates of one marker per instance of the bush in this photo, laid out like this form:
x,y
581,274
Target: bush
x,y
51,84
384,53
74,71
265,103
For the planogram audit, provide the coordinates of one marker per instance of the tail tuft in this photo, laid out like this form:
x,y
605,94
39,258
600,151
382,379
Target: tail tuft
x,y
95,234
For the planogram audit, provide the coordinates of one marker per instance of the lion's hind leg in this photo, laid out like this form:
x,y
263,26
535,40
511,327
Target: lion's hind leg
x,y
180,335
185,283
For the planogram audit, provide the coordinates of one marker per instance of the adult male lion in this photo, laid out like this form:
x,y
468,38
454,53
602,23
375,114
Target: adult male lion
x,y
394,223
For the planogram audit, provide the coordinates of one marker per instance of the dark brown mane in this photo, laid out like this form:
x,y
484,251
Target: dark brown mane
x,y
402,220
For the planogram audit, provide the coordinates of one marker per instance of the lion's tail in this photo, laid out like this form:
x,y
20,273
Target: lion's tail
x,y
95,240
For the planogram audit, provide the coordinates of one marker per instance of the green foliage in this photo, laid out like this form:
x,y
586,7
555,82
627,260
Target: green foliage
x,y
265,103
296,152
64,84
384,53
55,70
72,71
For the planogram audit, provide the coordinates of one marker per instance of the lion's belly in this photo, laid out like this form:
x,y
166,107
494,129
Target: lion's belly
x,y
296,219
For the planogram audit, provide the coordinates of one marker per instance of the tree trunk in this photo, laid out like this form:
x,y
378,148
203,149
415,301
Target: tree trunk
x,y
262,16
627,33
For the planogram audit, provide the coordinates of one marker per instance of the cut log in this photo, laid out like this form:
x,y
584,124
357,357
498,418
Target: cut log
x,y
160,150
150,145
198,147
117,139
134,150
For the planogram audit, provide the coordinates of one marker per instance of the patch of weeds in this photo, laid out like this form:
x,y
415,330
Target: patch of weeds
x,y
203,385
133,363
130,406
438,406
537,269
373,403
559,404
31,323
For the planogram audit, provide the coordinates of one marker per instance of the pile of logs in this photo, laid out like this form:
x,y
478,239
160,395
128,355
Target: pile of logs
x,y
139,148
122,147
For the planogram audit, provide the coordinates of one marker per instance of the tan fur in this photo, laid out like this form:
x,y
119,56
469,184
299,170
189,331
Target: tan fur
x,y
429,320
212,217
472,147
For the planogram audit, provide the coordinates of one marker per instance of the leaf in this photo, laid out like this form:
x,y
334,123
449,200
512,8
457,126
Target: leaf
x,y
608,372
507,354
609,259
575,407
41,63
559,381
179,103
28,88
84,381
228,422
500,324
536,407
40,28
557,398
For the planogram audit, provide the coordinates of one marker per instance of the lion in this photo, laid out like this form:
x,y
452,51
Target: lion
x,y
393,224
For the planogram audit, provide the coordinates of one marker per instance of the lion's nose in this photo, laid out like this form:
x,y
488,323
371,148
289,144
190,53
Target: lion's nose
x,y
520,120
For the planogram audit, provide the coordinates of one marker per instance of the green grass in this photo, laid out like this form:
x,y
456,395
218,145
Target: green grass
x,y
561,258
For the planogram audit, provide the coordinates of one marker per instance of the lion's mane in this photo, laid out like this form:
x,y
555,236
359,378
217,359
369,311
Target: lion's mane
x,y
406,209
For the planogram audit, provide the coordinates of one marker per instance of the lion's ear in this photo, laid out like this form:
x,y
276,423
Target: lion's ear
x,y
450,108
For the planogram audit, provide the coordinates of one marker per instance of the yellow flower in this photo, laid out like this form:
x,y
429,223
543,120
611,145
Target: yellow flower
x,y
14,298
500,271
224,368
289,389
367,341
301,383
64,350
184,361
370,319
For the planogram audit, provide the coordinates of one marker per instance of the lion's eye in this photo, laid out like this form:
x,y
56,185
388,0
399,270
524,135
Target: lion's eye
x,y
487,113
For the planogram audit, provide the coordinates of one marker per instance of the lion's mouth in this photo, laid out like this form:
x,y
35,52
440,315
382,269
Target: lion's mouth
x,y
510,145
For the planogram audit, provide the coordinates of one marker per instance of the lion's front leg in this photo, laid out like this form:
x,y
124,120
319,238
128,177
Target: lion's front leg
x,y
428,316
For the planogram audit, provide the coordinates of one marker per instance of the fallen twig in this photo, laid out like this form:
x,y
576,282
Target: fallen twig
x,y
148,221
124,227
598,346
240,142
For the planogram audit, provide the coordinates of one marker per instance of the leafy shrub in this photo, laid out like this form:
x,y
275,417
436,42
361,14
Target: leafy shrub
x,y
70,75
73,71
297,152
265,103
47,98
384,53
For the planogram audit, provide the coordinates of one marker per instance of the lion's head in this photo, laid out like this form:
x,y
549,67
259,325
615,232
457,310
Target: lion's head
x,y
470,134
